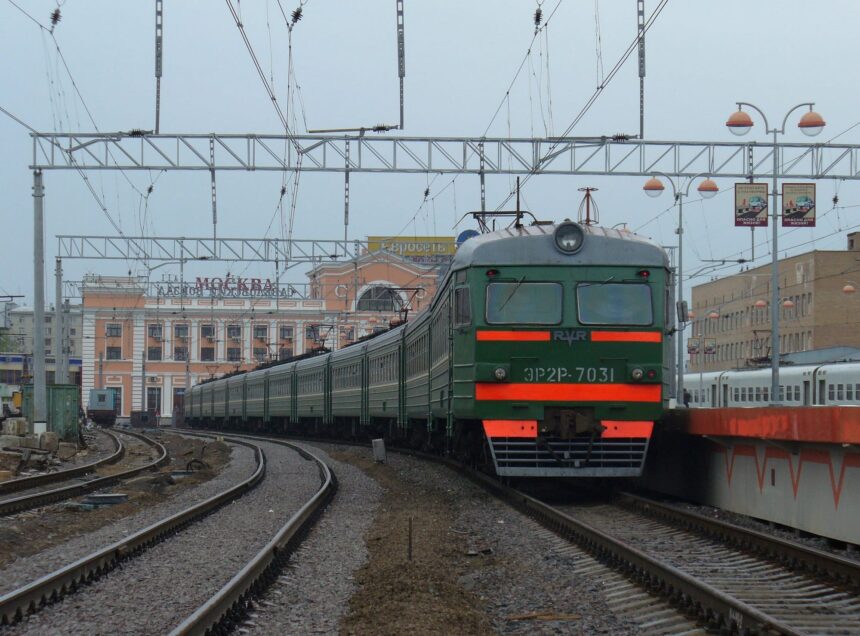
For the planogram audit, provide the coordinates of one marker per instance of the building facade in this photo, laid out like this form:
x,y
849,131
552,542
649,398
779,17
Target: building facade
x,y
731,318
148,342
16,357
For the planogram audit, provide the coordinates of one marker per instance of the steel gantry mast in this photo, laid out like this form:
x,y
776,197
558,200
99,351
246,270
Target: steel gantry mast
x,y
598,156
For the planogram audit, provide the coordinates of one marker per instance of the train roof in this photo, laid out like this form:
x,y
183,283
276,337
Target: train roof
x,y
535,245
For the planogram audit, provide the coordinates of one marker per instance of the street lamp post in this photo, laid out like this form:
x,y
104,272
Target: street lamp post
x,y
653,188
739,123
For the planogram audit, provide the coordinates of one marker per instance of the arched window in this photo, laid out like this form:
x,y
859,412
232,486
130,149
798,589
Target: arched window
x,y
379,298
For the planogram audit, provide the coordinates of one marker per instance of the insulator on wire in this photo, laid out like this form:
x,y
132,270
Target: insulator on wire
x,y
296,15
538,18
56,16
835,200
283,191
427,193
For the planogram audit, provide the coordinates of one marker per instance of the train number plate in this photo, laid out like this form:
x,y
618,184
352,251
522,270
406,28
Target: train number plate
x,y
568,374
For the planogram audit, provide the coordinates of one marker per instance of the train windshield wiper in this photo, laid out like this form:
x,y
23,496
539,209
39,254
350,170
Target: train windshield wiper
x,y
513,291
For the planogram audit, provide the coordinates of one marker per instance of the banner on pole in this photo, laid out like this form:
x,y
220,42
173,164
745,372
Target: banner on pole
x,y
798,205
692,346
710,346
750,205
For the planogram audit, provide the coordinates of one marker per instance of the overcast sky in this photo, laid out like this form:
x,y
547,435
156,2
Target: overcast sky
x,y
460,59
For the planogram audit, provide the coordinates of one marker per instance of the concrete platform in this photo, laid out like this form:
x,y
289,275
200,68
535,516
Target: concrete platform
x,y
799,467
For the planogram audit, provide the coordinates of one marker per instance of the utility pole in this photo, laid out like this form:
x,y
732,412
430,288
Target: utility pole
x,y
159,25
40,422
59,332
67,340
640,15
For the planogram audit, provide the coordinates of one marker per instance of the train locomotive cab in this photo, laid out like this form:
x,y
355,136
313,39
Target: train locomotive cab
x,y
558,344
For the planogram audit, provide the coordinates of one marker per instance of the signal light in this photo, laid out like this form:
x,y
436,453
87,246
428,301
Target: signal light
x,y
643,273
492,273
651,374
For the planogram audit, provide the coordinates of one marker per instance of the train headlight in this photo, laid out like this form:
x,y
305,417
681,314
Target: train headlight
x,y
637,374
500,374
569,237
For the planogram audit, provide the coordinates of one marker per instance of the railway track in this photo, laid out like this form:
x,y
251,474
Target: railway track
x,y
223,608
726,577
12,505
34,481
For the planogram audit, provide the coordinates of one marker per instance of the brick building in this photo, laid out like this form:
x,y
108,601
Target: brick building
x,y
818,310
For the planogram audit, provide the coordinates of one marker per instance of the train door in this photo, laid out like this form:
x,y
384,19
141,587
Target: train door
x,y
713,396
725,394
822,390
807,393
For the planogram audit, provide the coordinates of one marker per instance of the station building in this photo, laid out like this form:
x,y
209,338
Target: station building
x,y
819,309
149,341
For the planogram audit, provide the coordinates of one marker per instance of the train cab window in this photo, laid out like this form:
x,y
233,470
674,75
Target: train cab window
x,y
462,307
614,304
526,303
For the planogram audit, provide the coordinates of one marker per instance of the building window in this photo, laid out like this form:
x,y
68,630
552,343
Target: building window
x,y
155,331
207,354
285,353
114,353
234,354
207,331
261,332
180,353
47,342
234,331
73,332
153,353
113,330
379,298
181,331
286,332
312,332
260,354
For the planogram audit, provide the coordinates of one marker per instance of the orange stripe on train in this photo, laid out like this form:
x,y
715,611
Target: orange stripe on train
x,y
626,336
621,428
568,392
510,428
520,336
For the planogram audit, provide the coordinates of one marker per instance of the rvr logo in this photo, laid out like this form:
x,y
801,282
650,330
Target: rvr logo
x,y
569,336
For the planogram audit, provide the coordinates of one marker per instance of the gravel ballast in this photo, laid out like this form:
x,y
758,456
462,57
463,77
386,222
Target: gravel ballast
x,y
478,566
156,590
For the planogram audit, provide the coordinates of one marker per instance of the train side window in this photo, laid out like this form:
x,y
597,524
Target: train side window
x,y
857,391
757,394
849,392
764,394
840,392
781,393
462,307
737,394
831,392
797,393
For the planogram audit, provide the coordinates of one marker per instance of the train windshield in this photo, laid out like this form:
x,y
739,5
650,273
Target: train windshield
x,y
614,304
524,303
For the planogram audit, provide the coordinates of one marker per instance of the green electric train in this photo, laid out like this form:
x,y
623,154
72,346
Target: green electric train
x,y
543,354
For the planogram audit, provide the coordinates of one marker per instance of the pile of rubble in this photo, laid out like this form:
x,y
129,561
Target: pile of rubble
x,y
21,450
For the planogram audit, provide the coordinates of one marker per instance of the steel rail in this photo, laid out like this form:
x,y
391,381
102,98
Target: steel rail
x,y
223,610
782,551
51,587
35,500
23,483
715,608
